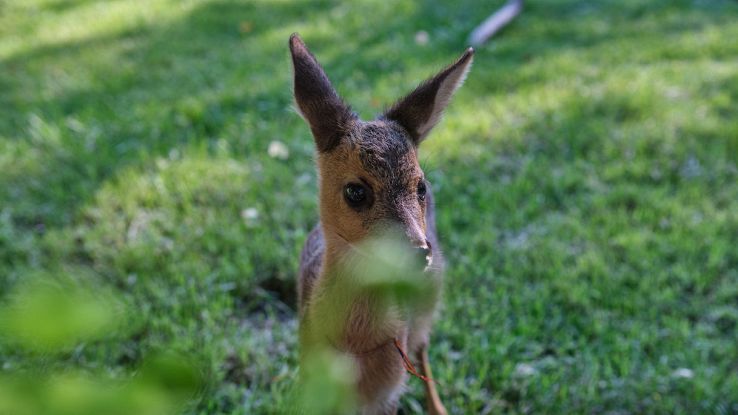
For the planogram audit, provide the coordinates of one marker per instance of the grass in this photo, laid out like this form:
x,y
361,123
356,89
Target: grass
x,y
586,179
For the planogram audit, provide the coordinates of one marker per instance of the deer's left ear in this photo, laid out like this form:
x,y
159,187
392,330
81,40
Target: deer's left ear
x,y
420,110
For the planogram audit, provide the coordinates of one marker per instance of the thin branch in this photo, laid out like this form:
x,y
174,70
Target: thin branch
x,y
495,22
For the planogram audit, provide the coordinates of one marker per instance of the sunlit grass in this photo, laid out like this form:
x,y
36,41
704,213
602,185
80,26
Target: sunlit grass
x,y
585,178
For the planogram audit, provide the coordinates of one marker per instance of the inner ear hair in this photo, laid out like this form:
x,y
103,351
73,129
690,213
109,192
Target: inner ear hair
x,y
421,109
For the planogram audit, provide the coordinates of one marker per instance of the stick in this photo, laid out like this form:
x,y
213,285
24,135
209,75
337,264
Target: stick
x,y
495,22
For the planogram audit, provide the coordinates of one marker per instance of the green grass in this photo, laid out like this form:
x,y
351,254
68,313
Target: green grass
x,y
586,179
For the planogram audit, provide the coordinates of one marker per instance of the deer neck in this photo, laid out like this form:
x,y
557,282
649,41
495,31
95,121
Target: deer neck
x,y
352,320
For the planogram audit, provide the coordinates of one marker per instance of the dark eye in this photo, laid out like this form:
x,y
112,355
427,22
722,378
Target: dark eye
x,y
355,194
421,190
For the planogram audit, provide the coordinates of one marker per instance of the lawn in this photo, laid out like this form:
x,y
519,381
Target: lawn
x,y
586,180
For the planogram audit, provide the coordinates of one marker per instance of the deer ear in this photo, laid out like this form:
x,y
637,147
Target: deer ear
x,y
319,104
420,110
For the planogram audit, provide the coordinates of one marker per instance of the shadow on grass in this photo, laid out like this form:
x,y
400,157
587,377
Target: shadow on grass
x,y
150,89
156,88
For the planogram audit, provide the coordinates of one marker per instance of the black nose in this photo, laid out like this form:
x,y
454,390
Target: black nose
x,y
423,255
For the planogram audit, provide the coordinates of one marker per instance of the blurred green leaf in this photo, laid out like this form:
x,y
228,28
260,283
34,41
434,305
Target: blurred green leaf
x,y
389,269
326,385
164,386
52,314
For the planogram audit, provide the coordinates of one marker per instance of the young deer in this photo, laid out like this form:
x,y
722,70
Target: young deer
x,y
369,181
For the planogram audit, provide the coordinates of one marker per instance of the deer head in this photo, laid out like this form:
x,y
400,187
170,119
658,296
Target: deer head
x,y
369,177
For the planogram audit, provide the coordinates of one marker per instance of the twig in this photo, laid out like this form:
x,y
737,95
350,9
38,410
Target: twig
x,y
495,22
409,366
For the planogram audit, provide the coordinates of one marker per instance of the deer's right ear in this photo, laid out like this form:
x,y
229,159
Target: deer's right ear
x,y
316,98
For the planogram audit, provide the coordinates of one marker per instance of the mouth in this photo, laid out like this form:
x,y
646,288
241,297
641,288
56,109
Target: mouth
x,y
428,257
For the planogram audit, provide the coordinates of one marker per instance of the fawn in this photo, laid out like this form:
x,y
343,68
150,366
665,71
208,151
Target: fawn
x,y
369,180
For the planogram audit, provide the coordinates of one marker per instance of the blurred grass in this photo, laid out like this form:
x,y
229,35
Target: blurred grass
x,y
585,177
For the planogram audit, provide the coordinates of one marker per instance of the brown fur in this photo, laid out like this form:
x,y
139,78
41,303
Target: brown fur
x,y
381,154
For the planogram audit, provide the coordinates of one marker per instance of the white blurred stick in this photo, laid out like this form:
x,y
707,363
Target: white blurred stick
x,y
495,22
